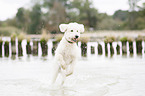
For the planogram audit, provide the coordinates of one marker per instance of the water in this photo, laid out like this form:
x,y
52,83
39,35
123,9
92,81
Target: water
x,y
93,76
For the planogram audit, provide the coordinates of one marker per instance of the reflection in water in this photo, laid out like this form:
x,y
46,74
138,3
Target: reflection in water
x,y
13,57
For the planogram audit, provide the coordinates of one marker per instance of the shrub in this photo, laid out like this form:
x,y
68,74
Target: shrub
x,y
109,39
44,36
21,36
124,39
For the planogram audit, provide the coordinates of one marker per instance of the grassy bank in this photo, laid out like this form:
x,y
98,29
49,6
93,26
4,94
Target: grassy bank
x,y
8,31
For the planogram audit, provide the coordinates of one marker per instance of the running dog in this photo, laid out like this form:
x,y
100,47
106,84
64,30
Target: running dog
x,y
67,51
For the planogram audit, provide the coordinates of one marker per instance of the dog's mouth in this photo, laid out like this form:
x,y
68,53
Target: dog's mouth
x,y
74,39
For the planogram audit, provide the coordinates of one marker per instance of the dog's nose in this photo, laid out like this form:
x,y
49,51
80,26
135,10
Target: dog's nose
x,y
77,36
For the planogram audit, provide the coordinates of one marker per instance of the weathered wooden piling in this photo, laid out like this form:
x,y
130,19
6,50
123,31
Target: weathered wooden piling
x,y
130,41
35,47
124,45
84,49
43,41
20,51
109,40
44,47
1,43
139,46
55,44
84,41
106,49
28,47
111,49
13,44
20,39
92,50
118,49
100,52
6,48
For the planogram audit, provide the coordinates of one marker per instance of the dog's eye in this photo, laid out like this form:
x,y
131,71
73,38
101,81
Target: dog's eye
x,y
71,30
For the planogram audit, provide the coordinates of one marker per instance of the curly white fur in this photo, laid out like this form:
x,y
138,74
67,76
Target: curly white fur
x,y
67,51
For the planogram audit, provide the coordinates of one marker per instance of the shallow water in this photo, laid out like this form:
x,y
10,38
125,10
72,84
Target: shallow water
x,y
93,76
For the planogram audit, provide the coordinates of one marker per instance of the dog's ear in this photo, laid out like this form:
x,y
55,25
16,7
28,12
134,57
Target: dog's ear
x,y
82,29
63,27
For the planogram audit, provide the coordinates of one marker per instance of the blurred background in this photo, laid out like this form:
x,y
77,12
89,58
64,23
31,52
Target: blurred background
x,y
111,27
31,16
112,48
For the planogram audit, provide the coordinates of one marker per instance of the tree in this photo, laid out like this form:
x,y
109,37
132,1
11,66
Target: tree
x,y
132,13
57,15
133,4
36,21
121,15
86,13
20,18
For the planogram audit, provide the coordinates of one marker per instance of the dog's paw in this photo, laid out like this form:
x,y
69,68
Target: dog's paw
x,y
69,73
63,67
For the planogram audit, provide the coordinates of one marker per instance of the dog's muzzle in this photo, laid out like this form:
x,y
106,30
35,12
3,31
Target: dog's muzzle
x,y
75,39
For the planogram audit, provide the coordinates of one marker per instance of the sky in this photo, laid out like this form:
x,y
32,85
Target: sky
x,y
8,8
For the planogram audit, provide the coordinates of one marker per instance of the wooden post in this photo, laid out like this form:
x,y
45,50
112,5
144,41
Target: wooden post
x,y
118,49
28,48
124,45
92,50
131,47
139,46
109,40
124,48
44,47
20,51
35,48
100,52
55,44
106,49
84,49
111,49
13,46
6,48
1,44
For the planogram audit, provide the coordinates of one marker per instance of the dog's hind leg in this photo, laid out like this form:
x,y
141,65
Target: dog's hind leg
x,y
63,77
55,75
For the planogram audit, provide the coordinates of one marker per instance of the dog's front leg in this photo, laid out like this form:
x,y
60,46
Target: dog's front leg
x,y
56,70
71,68
60,61
63,76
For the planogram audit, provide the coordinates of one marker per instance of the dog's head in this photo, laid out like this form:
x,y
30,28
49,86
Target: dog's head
x,y
72,31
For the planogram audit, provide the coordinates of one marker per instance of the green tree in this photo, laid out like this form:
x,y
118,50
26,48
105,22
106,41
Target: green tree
x,y
85,12
54,18
121,15
20,18
132,13
36,21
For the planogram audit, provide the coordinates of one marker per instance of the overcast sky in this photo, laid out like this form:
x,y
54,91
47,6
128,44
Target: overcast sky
x,y
8,8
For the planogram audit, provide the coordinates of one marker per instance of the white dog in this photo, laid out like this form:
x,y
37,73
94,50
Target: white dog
x,y
67,52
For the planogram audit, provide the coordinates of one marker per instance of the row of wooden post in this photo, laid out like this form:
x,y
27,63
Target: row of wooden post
x,y
139,48
29,50
44,47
